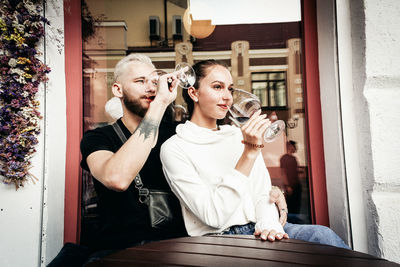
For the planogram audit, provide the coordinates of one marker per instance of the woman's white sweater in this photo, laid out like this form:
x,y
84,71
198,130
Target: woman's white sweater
x,y
199,166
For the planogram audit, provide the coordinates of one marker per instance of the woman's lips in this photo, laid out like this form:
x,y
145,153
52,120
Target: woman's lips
x,y
223,106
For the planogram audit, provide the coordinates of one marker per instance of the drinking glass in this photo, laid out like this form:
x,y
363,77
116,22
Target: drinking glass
x,y
243,107
153,77
186,75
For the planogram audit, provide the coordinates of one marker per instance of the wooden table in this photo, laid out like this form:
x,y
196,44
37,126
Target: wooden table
x,y
237,250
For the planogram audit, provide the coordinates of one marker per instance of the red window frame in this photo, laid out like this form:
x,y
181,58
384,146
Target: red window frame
x,y
312,101
74,89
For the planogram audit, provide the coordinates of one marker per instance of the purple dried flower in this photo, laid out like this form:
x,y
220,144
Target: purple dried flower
x,y
22,27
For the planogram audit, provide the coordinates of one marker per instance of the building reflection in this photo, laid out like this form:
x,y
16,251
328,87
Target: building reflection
x,y
264,59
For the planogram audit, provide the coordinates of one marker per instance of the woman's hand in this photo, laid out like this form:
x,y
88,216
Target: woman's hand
x,y
253,131
276,196
271,235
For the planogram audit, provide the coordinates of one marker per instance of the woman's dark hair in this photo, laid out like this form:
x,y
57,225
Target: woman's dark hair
x,y
201,70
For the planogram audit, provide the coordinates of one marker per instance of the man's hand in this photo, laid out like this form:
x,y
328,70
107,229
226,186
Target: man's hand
x,y
271,235
276,196
167,89
167,86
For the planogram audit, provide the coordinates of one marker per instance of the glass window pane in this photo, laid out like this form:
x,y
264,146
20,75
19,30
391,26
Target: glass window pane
x,y
276,80
275,95
277,76
259,76
281,94
271,89
260,90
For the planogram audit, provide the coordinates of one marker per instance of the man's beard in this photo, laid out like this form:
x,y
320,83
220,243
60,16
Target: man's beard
x,y
134,106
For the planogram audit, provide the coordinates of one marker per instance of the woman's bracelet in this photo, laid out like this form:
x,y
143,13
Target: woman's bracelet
x,y
252,145
285,210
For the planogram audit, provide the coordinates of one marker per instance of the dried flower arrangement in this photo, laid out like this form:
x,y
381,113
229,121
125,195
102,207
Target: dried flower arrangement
x,y
21,72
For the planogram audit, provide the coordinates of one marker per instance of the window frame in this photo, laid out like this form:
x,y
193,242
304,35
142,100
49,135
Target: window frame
x,y
73,76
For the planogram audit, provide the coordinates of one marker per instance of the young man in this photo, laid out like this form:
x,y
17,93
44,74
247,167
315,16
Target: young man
x,y
124,220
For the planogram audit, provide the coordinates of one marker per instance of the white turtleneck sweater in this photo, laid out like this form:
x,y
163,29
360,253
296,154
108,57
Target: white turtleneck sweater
x,y
199,165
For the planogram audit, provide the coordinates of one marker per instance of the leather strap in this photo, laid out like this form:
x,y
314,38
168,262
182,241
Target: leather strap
x,y
119,132
143,192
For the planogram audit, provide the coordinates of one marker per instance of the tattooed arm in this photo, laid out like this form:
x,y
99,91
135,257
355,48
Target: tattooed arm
x,y
117,170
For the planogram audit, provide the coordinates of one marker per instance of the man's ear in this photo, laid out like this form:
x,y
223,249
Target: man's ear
x,y
117,89
193,93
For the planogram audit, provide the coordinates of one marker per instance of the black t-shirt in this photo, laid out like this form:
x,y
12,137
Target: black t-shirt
x,y
124,221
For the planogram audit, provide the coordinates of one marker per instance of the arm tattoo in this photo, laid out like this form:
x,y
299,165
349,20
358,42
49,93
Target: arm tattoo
x,y
147,127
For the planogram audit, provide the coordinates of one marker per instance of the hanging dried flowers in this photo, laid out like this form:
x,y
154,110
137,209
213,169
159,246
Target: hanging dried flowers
x,y
21,72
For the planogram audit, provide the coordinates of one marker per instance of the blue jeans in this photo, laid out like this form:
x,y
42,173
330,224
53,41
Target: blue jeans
x,y
306,232
314,233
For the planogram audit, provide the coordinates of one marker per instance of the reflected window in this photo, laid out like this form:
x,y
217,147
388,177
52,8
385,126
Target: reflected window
x,y
270,87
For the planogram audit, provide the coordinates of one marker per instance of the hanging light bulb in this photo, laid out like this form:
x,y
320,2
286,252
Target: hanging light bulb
x,y
197,28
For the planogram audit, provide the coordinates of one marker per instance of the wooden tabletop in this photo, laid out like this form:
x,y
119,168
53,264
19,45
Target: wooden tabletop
x,y
237,250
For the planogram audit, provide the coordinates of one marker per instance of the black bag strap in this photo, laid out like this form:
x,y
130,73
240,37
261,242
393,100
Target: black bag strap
x,y
119,132
143,192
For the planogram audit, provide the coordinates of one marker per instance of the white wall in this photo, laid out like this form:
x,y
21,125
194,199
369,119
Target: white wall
x,y
55,139
368,89
382,94
31,219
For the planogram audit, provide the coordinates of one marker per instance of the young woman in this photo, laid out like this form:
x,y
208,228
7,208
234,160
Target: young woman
x,y
218,172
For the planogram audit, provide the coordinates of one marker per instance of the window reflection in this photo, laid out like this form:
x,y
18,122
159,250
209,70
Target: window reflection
x,y
271,88
267,63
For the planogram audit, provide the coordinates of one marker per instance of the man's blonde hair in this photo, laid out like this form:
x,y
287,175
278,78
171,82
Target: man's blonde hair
x,y
120,67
